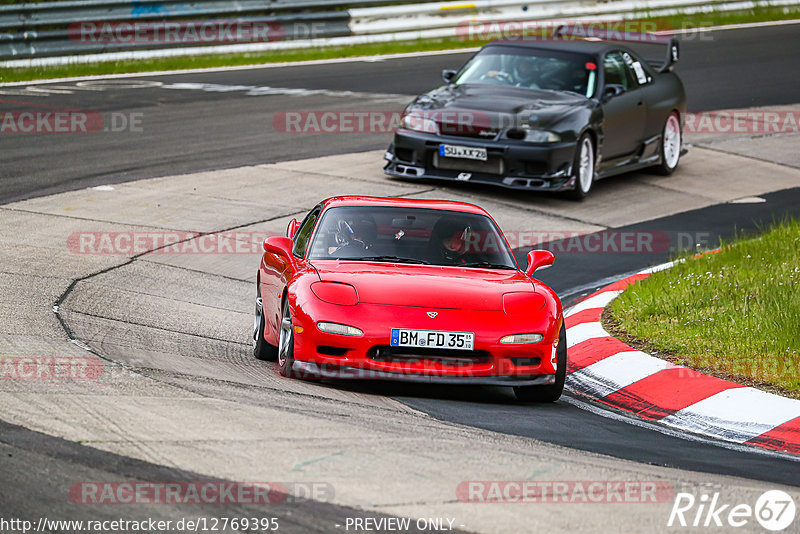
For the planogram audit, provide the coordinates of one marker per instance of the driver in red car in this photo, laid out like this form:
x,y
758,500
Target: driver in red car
x,y
353,237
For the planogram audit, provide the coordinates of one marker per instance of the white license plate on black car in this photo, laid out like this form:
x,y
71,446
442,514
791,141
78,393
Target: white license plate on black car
x,y
464,152
432,339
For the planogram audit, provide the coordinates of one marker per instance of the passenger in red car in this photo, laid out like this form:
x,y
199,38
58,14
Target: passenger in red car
x,y
450,237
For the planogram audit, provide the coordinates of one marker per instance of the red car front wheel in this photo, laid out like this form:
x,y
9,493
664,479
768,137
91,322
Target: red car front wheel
x,y
261,349
286,343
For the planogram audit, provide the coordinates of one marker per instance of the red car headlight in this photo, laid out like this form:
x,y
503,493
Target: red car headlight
x,y
521,339
335,293
522,303
340,329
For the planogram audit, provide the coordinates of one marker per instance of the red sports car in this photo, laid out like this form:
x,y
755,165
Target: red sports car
x,y
401,289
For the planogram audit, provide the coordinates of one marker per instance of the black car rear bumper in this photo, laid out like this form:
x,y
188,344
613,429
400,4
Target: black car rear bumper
x,y
511,164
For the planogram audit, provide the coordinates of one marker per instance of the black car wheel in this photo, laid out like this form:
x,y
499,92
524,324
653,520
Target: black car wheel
x,y
286,343
670,145
552,392
583,168
261,349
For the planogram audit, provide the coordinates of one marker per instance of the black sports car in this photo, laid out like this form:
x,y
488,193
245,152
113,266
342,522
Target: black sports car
x,y
548,115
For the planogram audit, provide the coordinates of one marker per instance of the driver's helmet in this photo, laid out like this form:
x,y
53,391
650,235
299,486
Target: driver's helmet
x,y
525,71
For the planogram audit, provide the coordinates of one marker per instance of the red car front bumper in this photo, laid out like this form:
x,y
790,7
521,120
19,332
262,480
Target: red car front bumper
x,y
371,356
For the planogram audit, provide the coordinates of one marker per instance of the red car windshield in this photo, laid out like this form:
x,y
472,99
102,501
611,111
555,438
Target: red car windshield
x,y
410,235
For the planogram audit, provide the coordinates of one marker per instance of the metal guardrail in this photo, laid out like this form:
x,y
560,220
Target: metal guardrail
x,y
432,16
32,15
44,29
49,33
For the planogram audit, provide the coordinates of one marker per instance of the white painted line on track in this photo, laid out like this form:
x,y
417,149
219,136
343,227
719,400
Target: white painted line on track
x,y
584,331
613,373
254,90
737,414
661,267
565,295
748,200
608,414
597,301
740,26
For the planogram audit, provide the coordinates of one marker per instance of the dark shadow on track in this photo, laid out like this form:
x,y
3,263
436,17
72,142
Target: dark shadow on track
x,y
562,423
39,472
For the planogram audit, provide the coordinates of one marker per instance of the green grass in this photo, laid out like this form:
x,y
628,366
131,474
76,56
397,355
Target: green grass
x,y
735,314
209,61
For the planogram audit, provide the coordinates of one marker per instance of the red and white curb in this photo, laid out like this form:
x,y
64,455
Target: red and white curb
x,y
604,368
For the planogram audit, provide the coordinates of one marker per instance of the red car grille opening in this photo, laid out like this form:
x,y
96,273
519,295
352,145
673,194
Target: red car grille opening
x,y
521,361
328,350
407,355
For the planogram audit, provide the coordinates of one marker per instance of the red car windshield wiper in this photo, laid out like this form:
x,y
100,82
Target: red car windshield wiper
x,y
487,265
396,259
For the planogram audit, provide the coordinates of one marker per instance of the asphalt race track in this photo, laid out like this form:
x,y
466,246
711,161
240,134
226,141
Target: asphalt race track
x,y
211,121
196,130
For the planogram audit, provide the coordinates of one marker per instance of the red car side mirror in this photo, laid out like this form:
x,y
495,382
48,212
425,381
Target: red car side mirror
x,y
292,228
279,245
539,259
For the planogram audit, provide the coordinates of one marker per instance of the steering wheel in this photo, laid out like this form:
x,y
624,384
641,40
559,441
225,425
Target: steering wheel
x,y
344,233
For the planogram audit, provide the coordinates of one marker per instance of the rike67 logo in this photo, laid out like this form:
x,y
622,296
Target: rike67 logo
x,y
774,510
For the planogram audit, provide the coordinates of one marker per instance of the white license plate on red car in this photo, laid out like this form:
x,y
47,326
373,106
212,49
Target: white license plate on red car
x,y
465,152
432,339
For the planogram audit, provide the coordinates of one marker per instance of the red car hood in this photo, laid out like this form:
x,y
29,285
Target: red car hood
x,y
427,286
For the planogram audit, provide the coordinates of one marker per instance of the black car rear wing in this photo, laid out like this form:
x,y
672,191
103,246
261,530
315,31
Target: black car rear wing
x,y
590,31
